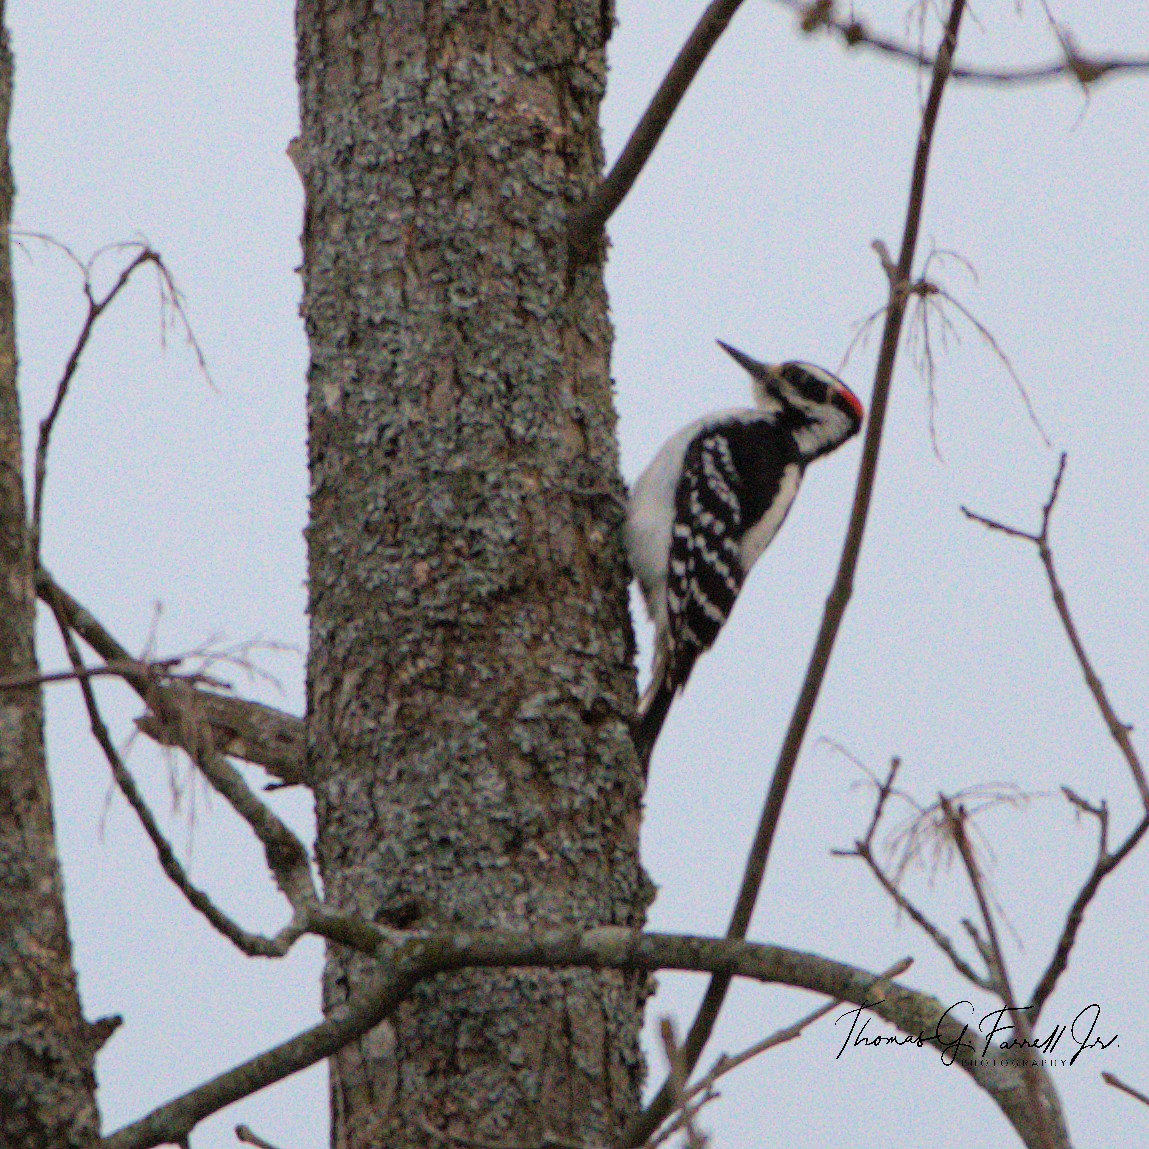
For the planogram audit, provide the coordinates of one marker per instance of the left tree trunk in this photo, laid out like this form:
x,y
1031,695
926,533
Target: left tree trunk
x,y
470,678
47,1084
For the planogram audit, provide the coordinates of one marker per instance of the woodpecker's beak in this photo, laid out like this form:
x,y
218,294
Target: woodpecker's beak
x,y
758,370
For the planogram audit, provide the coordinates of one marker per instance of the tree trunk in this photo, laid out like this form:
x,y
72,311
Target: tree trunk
x,y
470,675
47,1085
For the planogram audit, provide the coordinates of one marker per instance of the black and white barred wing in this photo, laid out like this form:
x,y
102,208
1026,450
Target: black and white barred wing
x,y
738,481
705,570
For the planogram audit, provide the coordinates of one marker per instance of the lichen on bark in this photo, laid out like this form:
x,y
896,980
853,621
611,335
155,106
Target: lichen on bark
x,y
470,675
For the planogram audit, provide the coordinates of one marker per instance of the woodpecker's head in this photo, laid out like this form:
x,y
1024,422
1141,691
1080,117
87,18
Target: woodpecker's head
x,y
826,411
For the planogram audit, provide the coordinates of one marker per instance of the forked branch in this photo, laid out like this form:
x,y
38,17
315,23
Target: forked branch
x,y
1082,67
1107,860
404,963
1119,731
171,302
864,850
254,945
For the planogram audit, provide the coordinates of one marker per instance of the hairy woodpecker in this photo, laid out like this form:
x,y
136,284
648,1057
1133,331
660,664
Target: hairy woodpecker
x,y
709,504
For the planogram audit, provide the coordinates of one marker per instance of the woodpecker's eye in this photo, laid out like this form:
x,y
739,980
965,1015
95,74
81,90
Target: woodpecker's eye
x,y
813,385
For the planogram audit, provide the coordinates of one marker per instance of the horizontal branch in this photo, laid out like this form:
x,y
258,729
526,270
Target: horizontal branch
x,y
164,668
854,33
611,947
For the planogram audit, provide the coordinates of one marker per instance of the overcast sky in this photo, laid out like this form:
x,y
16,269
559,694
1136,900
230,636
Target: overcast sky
x,y
753,223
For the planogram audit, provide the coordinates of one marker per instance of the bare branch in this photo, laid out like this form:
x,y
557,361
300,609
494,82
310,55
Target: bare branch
x,y
254,945
642,1127
244,1133
1118,730
175,704
992,951
1106,862
1105,865
587,224
1117,1083
287,857
938,937
182,716
702,1092
96,308
988,337
863,849
170,301
241,728
608,947
676,1076
854,33
163,668
994,525
1043,1098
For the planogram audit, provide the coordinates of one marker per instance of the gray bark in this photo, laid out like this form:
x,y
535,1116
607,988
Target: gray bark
x,y
47,1085
470,675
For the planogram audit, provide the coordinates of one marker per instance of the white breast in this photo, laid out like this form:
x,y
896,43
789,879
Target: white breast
x,y
648,528
757,539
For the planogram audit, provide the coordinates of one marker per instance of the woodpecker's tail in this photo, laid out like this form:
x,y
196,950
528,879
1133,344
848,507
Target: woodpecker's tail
x,y
652,712
653,707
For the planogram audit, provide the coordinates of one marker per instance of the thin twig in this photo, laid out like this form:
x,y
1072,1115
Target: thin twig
x,y
988,337
1043,1098
900,283
676,1076
163,668
863,849
244,1133
183,716
254,945
1103,867
991,950
928,828
171,303
1118,730
937,936
927,296
1106,861
587,223
854,33
175,706
96,308
1117,1083
702,1091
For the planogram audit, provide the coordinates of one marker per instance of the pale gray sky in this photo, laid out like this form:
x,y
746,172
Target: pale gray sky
x,y
753,223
